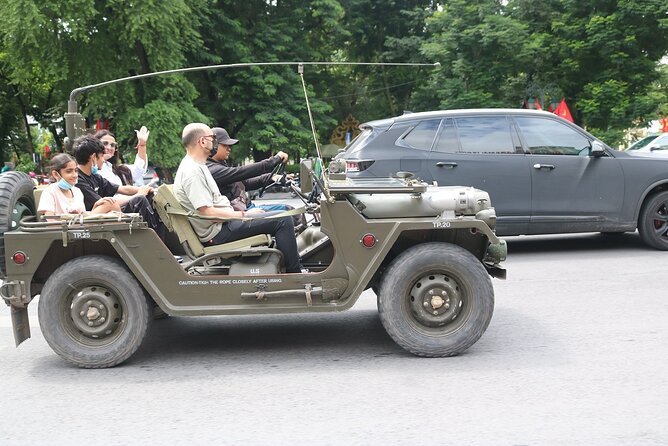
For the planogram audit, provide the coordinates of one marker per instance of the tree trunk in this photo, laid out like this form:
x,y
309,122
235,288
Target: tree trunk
x,y
24,113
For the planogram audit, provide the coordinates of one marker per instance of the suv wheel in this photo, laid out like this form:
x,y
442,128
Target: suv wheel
x,y
436,299
93,313
653,221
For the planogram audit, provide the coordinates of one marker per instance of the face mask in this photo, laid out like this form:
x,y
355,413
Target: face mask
x,y
95,170
214,148
64,184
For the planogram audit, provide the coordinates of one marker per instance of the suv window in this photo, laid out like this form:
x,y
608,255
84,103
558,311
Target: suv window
x,y
447,138
549,137
422,136
485,134
361,140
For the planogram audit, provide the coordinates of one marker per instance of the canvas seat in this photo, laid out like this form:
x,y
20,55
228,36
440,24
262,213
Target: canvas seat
x,y
175,218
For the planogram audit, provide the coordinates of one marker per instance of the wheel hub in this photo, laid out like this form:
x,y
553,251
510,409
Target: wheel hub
x,y
96,312
435,300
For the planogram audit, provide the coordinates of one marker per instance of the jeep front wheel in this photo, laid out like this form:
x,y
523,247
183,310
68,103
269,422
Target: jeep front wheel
x,y
435,300
93,313
653,221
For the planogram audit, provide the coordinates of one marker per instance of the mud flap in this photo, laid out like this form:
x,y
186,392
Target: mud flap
x,y
20,323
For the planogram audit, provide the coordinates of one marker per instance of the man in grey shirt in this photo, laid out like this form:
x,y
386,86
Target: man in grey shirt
x,y
197,191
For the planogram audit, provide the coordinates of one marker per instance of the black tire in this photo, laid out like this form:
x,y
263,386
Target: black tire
x,y
93,312
441,278
16,202
653,221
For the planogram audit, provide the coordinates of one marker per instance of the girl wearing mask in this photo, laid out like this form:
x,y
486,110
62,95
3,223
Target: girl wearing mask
x,y
62,196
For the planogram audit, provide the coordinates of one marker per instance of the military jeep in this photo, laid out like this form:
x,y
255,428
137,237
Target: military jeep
x,y
426,251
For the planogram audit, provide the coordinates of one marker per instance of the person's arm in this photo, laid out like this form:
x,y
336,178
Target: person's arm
x,y
142,139
106,204
210,211
140,165
134,190
225,175
257,182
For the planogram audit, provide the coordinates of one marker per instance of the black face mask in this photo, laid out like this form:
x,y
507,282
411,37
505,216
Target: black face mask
x,y
214,149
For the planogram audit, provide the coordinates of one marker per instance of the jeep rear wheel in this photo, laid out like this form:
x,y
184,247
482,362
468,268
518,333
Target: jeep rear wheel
x,y
436,299
93,313
16,202
653,221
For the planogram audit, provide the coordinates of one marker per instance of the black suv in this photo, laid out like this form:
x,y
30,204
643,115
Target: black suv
x,y
544,174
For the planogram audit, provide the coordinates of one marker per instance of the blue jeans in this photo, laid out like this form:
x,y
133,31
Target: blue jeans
x,y
270,207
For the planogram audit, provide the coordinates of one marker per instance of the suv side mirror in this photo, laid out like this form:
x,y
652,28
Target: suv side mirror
x,y
597,149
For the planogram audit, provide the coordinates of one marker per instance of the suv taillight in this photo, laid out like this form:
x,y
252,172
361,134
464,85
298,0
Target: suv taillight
x,y
358,166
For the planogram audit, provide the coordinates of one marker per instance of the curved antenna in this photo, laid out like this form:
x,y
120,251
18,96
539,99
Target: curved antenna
x,y
74,122
77,91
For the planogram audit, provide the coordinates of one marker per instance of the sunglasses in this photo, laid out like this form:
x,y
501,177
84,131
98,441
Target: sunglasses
x,y
113,145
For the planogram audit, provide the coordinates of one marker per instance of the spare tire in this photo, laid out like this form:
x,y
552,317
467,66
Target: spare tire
x,y
16,202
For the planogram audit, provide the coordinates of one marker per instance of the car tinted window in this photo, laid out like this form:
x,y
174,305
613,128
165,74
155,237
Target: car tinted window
x,y
422,135
447,138
485,134
549,137
642,143
361,140
660,143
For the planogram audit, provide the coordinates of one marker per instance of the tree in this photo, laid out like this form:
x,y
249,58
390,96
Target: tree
x,y
483,53
603,54
54,46
264,107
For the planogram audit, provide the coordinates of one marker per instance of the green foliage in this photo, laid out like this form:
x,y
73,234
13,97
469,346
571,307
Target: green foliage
x,y
165,121
600,55
481,50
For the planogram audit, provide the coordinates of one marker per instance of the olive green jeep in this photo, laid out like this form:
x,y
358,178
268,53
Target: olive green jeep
x,y
427,252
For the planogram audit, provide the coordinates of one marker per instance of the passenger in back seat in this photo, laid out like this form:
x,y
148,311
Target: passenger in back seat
x,y
62,197
197,191
88,152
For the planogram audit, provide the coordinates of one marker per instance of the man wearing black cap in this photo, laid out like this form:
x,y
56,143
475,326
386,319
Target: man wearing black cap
x,y
234,181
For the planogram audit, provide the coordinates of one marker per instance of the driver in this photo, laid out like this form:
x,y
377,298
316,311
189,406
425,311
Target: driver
x,y
196,190
234,181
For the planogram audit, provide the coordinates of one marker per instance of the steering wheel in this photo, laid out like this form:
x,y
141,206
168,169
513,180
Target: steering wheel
x,y
279,169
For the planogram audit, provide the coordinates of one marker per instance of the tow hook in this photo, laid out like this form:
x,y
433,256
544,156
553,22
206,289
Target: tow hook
x,y
14,293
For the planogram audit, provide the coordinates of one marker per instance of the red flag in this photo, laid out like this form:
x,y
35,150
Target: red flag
x,y
563,111
664,124
538,107
98,126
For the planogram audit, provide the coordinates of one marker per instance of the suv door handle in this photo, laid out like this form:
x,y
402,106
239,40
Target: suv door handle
x,y
543,166
449,164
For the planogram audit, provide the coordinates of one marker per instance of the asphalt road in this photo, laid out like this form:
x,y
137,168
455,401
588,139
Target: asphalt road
x,y
576,353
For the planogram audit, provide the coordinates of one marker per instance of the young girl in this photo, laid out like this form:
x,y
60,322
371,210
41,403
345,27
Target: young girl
x,y
62,196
